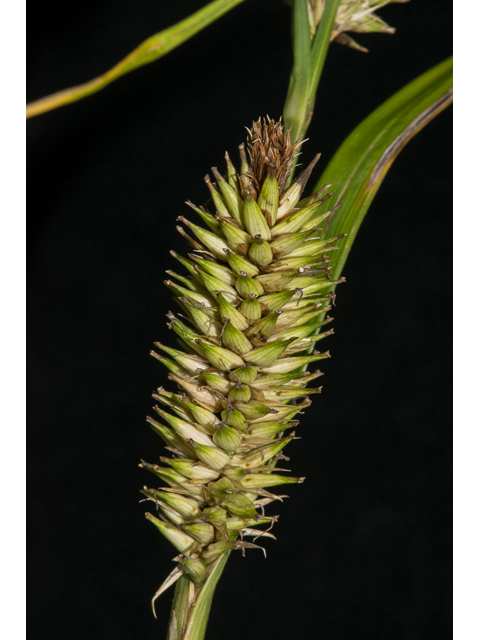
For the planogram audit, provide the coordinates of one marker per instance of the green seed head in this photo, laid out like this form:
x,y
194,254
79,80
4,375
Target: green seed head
x,y
253,295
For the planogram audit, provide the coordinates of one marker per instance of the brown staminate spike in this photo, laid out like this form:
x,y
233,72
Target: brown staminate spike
x,y
254,296
268,146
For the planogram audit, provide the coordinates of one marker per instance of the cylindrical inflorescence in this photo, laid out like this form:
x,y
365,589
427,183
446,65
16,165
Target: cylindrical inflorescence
x,y
256,295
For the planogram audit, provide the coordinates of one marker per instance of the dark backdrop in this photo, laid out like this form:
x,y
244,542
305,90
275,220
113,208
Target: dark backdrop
x,y
363,547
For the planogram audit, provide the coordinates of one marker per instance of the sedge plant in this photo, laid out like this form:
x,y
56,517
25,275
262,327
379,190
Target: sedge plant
x,y
252,299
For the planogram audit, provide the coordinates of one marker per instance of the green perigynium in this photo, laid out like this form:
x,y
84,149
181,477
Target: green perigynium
x,y
253,301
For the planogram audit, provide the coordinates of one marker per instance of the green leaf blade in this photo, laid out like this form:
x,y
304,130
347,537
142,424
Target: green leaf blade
x,y
148,51
364,158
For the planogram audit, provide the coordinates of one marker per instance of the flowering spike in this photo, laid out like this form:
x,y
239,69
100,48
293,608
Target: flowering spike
x,y
253,299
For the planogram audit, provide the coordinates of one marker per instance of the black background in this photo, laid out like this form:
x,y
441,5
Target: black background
x,y
363,547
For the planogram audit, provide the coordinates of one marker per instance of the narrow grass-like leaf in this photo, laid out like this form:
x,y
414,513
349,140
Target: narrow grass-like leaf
x,y
362,161
151,49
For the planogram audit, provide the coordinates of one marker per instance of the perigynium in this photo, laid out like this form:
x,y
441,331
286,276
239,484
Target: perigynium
x,y
253,302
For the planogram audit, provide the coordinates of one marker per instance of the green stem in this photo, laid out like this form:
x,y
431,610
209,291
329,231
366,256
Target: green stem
x,y
191,607
309,59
